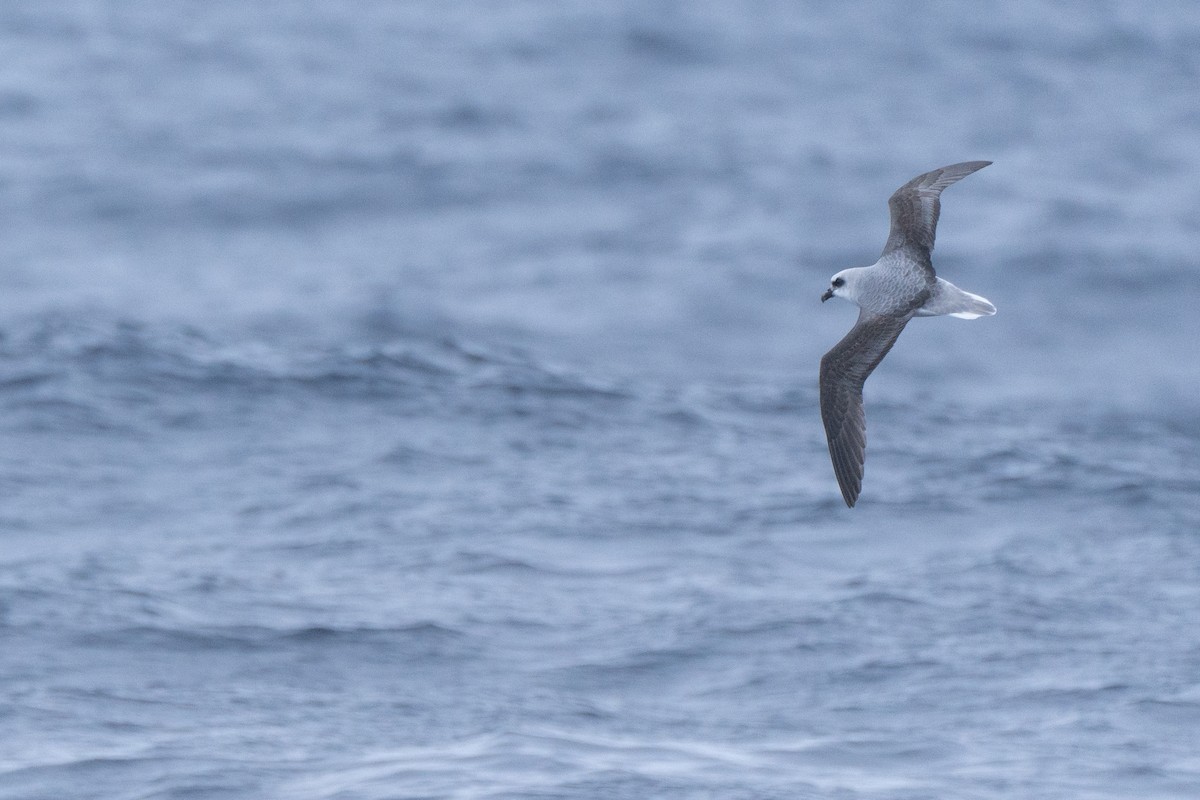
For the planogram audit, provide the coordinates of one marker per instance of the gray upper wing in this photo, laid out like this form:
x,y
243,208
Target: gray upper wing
x,y
844,370
915,207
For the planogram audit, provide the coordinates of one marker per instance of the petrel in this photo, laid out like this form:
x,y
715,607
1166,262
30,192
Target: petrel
x,y
899,286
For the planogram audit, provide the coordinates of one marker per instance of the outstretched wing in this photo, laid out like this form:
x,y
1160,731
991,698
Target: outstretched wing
x,y
844,370
915,207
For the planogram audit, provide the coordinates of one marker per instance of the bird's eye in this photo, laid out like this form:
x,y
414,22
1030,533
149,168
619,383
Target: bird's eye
x,y
838,282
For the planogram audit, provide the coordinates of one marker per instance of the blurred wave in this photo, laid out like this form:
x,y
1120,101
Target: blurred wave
x,y
419,400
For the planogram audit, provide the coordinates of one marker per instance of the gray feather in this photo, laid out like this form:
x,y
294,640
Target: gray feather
x,y
844,370
915,208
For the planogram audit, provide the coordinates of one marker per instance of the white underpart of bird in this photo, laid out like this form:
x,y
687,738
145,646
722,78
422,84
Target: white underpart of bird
x,y
899,286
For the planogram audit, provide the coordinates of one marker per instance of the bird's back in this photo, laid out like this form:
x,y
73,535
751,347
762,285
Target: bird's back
x,y
896,285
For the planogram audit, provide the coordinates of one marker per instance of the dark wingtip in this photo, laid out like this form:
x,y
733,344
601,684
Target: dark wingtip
x,y
846,483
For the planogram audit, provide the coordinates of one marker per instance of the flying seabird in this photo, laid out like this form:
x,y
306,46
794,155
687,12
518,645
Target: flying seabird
x,y
899,286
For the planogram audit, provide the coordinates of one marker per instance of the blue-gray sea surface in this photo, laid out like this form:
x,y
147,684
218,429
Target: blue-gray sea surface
x,y
417,400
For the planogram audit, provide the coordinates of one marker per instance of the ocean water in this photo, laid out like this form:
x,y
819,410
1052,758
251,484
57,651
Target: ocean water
x,y
418,400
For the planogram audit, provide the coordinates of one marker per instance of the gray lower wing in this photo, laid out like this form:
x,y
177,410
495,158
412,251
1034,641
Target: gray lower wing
x,y
916,205
844,370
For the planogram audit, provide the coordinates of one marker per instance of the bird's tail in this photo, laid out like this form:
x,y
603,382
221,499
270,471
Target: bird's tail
x,y
951,300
